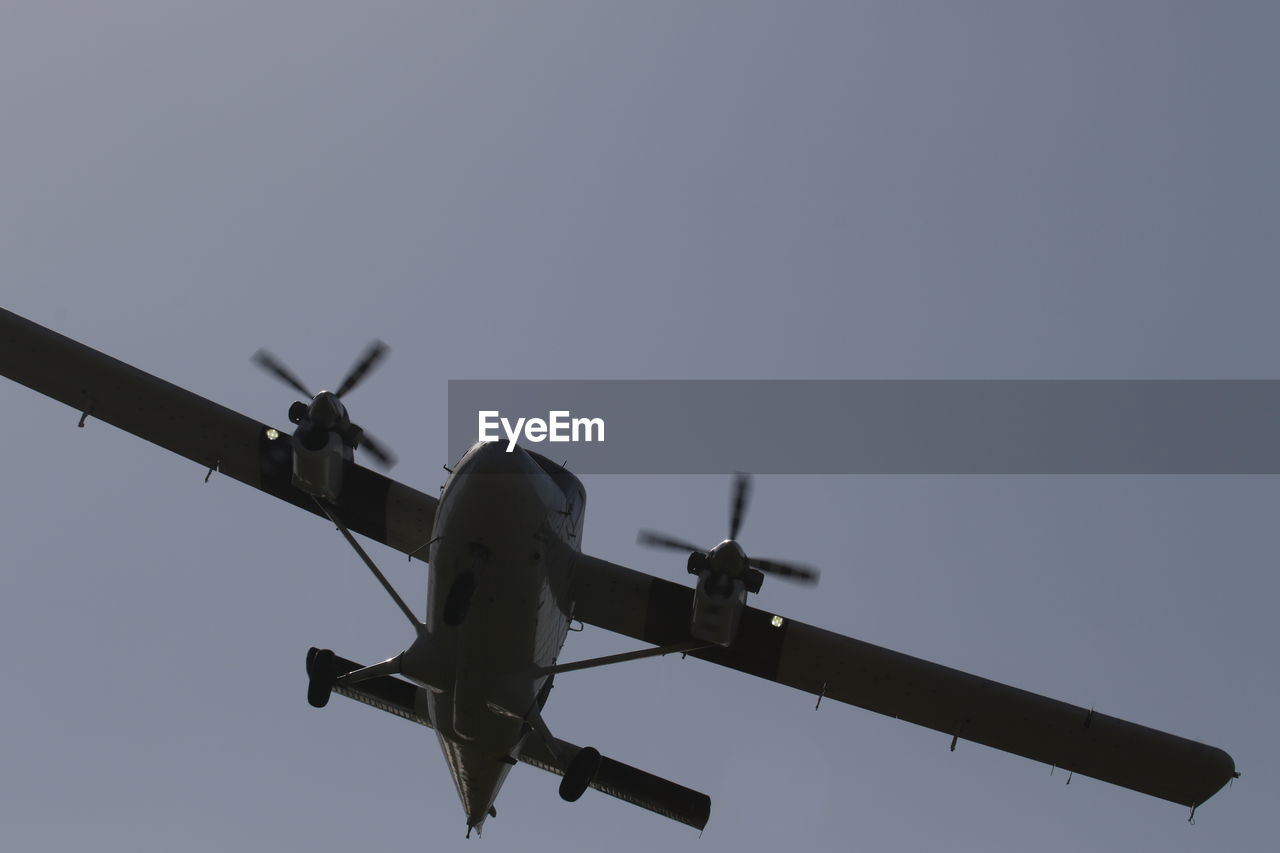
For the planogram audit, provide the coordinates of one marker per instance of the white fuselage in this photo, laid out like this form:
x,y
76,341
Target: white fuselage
x,y
499,603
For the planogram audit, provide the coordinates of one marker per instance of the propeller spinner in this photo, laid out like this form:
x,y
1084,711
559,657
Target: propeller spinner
x,y
326,412
728,558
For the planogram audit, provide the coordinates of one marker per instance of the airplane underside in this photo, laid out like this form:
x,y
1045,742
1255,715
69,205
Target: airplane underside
x,y
507,535
493,621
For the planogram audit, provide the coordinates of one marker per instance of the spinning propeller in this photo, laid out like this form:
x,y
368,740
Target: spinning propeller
x,y
728,558
326,413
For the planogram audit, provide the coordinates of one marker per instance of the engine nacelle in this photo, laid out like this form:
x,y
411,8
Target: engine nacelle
x,y
318,470
718,601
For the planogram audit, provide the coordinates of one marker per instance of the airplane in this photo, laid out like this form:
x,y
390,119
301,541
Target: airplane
x,y
507,578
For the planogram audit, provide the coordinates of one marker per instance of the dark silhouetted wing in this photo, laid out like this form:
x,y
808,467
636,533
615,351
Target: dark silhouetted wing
x,y
211,435
928,694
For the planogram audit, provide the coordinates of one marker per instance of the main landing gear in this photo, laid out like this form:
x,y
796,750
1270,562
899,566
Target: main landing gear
x,y
320,676
320,663
578,776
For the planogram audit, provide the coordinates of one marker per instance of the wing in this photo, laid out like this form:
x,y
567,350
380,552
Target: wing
x,y
927,694
105,389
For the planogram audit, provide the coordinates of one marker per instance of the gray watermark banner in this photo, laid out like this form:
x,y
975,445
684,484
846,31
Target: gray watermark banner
x,y
879,426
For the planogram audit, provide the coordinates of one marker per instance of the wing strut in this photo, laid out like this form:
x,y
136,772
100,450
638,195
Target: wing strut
x,y
368,561
625,656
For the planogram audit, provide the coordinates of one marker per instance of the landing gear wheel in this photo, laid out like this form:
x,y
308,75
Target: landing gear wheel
x,y
320,670
580,773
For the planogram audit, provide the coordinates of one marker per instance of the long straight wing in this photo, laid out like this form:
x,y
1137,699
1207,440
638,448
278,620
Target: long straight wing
x,y
627,783
105,389
927,694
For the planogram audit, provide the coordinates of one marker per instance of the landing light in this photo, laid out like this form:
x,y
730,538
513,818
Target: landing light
x,y
272,433
776,621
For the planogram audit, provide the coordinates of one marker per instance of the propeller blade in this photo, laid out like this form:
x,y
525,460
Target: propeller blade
x,y
372,355
741,491
384,457
276,368
660,540
794,571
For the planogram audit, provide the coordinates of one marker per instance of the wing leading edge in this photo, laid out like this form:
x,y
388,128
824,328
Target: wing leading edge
x,y
106,389
955,703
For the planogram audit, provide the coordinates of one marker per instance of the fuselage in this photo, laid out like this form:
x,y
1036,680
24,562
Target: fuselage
x,y
499,603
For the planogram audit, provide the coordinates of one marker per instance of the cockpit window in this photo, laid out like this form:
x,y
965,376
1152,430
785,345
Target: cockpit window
x,y
570,485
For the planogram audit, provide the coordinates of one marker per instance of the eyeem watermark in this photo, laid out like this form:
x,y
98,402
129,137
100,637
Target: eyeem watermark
x,y
945,427
559,426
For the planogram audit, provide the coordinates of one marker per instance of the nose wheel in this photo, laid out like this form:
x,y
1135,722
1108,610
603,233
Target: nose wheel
x,y
320,672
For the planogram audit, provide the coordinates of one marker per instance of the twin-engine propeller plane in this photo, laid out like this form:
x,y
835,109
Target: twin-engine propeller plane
x,y
507,576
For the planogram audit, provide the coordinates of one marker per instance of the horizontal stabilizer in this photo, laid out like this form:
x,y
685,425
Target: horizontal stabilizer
x,y
635,786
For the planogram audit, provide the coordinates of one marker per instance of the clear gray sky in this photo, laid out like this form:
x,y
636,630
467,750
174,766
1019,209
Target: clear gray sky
x,y
655,190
